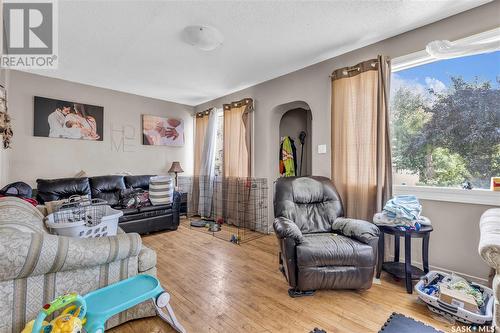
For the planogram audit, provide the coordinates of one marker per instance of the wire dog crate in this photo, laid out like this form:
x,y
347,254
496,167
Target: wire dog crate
x,y
235,209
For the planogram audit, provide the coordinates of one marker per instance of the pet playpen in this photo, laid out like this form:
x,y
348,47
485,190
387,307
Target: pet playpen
x,y
233,209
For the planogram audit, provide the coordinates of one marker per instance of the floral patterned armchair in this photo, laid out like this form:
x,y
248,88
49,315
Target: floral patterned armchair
x,y
36,266
489,250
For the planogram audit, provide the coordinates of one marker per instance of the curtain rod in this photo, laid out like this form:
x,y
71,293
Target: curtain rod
x,y
201,114
346,70
228,106
245,101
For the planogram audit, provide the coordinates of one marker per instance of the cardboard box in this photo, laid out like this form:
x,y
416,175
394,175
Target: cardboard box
x,y
495,183
459,299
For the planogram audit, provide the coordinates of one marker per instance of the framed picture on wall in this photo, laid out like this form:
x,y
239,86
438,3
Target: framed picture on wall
x,y
56,118
162,131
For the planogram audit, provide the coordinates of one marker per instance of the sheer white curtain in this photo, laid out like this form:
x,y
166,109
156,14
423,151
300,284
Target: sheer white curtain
x,y
207,165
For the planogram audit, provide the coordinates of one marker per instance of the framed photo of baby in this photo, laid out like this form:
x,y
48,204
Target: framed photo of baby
x,y
69,120
162,131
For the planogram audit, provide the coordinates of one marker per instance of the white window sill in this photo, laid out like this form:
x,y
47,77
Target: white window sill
x,y
475,196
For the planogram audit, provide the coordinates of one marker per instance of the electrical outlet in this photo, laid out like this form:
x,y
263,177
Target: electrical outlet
x,y
321,149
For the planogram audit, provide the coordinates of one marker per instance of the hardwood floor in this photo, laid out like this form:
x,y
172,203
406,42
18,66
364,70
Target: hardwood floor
x,y
217,286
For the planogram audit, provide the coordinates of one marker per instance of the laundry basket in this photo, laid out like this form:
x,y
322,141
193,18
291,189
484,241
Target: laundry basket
x,y
453,310
84,218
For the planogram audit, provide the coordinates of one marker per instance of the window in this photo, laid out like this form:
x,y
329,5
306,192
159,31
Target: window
x,y
445,119
219,145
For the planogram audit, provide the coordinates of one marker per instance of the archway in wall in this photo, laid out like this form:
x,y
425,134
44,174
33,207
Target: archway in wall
x,y
293,119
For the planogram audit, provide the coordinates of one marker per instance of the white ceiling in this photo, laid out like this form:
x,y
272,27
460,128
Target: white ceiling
x,y
136,46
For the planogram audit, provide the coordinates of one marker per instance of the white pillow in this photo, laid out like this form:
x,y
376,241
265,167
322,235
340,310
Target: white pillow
x,y
161,190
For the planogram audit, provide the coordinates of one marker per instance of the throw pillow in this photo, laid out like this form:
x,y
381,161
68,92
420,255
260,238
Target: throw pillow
x,y
161,190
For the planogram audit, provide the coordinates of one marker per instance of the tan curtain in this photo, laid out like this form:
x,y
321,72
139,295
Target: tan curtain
x,y
237,138
237,160
361,154
201,123
200,128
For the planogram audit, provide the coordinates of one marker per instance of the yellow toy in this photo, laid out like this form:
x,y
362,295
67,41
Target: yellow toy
x,y
71,319
68,322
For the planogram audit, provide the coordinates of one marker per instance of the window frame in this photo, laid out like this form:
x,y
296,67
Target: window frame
x,y
441,193
450,194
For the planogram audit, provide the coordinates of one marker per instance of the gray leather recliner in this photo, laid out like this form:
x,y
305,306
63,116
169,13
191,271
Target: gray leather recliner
x,y
319,248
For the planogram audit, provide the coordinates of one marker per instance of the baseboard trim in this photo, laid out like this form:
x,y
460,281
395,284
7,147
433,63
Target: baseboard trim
x,y
469,277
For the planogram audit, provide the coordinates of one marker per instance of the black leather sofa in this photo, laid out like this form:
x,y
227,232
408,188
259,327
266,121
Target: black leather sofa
x,y
319,248
142,220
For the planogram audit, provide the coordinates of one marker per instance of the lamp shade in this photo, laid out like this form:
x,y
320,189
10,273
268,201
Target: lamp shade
x,y
176,167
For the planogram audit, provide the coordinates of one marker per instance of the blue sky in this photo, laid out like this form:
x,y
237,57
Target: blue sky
x,y
485,66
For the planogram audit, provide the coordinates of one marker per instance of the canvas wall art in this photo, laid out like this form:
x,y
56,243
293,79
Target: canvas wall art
x,y
162,131
69,120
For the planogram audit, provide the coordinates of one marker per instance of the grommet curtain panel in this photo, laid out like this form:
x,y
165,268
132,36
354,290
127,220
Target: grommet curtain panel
x,y
361,151
237,138
200,130
237,159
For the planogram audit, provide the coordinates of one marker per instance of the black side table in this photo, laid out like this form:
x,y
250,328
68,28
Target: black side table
x,y
183,210
404,270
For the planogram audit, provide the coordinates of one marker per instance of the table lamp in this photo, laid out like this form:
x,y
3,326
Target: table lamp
x,y
176,168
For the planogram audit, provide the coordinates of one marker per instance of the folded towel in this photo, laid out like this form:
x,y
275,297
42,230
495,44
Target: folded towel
x,y
403,207
383,219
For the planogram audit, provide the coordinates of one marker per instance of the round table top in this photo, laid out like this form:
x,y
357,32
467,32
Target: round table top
x,y
389,229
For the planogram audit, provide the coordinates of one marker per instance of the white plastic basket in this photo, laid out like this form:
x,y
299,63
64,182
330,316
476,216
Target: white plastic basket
x,y
436,305
84,219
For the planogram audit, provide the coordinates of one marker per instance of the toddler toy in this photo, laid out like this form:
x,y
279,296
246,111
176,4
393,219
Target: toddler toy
x,y
100,305
70,320
235,239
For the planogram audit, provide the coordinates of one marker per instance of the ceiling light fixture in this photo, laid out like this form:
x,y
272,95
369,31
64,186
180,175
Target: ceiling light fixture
x,y
205,38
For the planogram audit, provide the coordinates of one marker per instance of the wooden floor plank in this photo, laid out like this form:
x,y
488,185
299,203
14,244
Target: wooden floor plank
x,y
217,286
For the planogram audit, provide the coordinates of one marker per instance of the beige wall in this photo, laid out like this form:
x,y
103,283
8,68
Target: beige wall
x,y
455,239
121,150
312,86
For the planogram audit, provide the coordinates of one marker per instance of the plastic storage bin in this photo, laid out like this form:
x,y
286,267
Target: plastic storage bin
x,y
84,219
460,314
